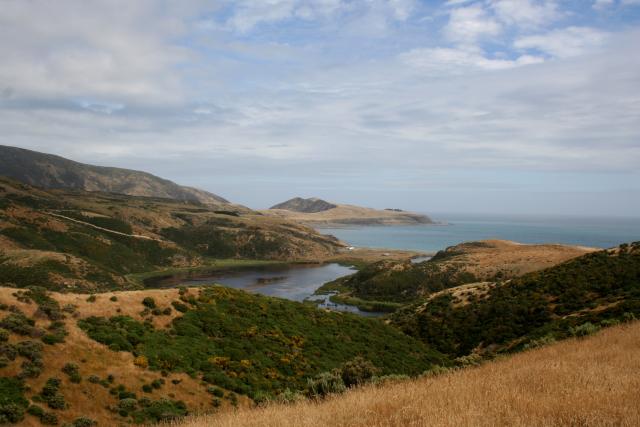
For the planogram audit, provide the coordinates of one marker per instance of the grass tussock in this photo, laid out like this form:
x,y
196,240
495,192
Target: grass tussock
x,y
592,381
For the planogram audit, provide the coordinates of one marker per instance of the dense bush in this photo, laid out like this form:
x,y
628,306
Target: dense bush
x,y
83,422
397,282
358,371
51,396
73,372
149,302
19,324
255,345
13,404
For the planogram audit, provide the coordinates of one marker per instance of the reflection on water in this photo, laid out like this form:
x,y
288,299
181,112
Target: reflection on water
x,y
296,282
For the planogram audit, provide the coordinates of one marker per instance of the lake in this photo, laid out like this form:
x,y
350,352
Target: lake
x,y
296,282
595,232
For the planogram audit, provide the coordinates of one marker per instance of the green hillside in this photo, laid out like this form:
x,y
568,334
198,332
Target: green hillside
x,y
573,298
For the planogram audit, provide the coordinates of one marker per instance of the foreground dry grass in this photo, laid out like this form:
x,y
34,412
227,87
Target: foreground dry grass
x,y
589,382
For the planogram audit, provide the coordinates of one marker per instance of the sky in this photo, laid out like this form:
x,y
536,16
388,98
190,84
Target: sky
x,y
478,106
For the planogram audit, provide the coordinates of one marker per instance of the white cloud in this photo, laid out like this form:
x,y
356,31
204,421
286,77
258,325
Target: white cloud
x,y
126,82
460,60
469,24
250,13
526,13
564,43
98,50
603,4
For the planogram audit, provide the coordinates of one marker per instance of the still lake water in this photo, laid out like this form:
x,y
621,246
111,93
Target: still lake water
x,y
595,232
296,282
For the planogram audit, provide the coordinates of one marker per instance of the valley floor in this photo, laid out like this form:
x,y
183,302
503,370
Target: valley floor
x,y
578,382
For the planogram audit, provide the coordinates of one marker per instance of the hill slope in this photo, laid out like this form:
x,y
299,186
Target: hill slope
x,y
319,213
403,281
50,171
80,241
572,298
591,381
151,355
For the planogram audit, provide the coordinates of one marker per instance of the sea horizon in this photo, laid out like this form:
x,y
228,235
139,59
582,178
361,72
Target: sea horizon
x,y
454,228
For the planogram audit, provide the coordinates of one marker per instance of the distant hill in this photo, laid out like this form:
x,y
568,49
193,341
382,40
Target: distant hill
x,y
318,212
311,205
50,171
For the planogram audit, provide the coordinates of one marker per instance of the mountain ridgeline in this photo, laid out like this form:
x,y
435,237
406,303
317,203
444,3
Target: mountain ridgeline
x,y
311,205
90,241
49,171
320,213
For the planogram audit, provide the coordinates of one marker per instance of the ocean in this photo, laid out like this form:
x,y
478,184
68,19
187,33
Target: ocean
x,y
594,232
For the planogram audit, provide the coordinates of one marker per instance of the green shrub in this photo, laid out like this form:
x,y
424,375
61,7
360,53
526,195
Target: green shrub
x,y
4,335
47,418
541,342
113,298
583,330
160,411
91,298
35,410
13,404
50,394
30,369
358,371
215,391
94,379
326,383
288,396
19,324
386,379
127,405
182,308
73,371
83,422
149,302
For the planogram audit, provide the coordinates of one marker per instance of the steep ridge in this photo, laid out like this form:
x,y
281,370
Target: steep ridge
x,y
49,171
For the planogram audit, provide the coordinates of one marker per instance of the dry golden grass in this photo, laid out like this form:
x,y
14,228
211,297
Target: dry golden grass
x,y
511,259
588,382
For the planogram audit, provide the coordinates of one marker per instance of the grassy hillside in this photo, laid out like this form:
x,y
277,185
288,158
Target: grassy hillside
x,y
573,298
580,382
143,356
404,282
89,241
